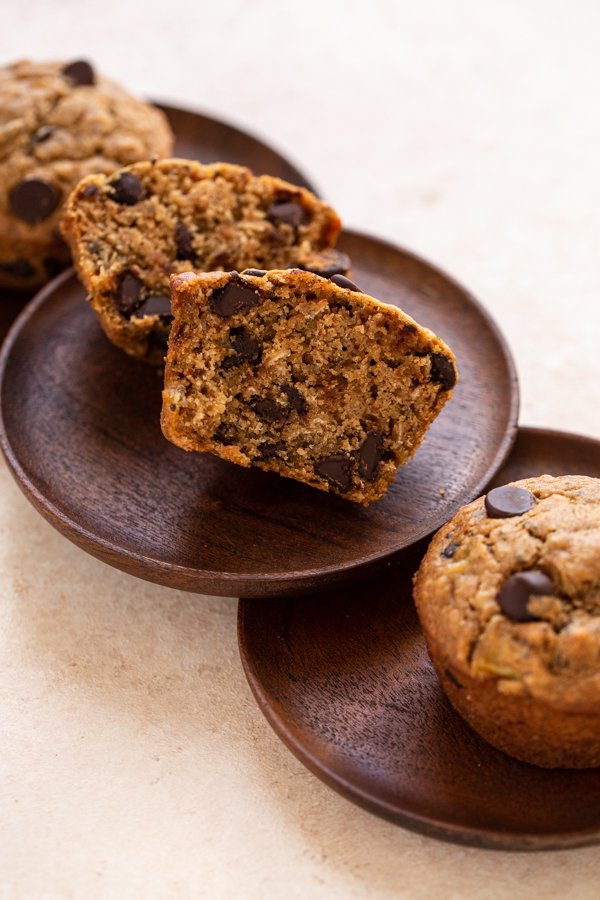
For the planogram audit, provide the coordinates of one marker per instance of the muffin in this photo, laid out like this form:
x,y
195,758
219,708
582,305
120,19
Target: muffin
x,y
301,375
58,123
508,595
130,231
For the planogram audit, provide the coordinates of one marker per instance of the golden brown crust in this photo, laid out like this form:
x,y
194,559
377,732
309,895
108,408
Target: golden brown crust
x,y
187,217
311,380
532,688
58,131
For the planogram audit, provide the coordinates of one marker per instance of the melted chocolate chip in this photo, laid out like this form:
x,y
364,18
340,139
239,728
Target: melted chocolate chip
x,y
449,551
344,282
256,272
245,347
127,189
18,268
129,289
506,501
369,455
337,469
90,190
443,371
183,242
268,410
289,211
34,200
43,133
224,435
330,263
155,305
221,260
270,451
235,297
79,73
295,399
514,594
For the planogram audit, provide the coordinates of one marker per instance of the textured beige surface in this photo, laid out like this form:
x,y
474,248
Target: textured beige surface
x,y
133,761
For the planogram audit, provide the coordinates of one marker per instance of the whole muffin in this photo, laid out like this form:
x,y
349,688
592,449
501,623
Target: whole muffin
x,y
58,123
508,595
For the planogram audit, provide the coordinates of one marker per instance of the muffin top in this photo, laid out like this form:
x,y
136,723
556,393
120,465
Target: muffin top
x,y
510,589
59,122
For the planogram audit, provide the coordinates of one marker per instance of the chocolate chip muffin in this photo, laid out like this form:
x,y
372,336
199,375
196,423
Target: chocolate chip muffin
x,y
301,375
58,123
131,231
509,598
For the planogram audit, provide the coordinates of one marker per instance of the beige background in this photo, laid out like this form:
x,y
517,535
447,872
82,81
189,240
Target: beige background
x,y
133,761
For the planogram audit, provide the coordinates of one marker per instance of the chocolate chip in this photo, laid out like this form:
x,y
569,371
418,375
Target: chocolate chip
x,y
327,264
515,593
155,305
90,190
268,410
79,73
443,371
43,133
34,200
256,272
220,260
18,268
452,678
235,297
344,282
449,551
289,211
270,451
224,435
53,266
506,501
127,189
129,289
245,347
183,242
336,469
295,399
369,455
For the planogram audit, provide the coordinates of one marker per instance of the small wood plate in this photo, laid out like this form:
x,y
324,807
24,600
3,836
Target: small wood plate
x,y
345,680
196,137
81,434
80,430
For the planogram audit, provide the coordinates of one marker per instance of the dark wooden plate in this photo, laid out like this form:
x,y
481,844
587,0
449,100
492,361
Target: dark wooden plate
x,y
80,430
196,137
345,680
211,140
